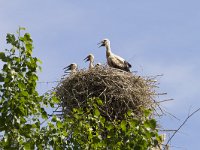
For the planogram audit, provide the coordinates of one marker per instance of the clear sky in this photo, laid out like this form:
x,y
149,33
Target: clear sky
x,y
156,37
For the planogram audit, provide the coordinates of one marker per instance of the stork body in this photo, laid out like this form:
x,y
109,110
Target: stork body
x,y
72,67
90,58
113,60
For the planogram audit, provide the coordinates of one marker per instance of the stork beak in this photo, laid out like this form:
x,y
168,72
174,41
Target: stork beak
x,y
87,59
67,68
101,44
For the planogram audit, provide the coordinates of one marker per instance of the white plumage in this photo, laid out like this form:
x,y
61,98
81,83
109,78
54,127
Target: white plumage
x,y
90,58
113,60
72,67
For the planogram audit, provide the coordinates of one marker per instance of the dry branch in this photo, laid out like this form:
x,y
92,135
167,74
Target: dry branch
x,y
190,115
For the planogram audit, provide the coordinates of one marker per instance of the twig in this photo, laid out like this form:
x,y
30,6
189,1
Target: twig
x,y
182,125
166,100
171,115
47,82
167,130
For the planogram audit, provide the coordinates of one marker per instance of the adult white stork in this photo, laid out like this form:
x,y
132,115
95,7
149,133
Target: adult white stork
x,y
90,58
72,67
113,60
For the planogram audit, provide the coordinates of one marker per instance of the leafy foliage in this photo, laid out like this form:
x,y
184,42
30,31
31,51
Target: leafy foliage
x,y
20,103
89,130
22,109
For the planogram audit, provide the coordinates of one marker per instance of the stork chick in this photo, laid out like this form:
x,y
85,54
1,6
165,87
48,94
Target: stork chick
x,y
98,65
113,60
72,67
90,58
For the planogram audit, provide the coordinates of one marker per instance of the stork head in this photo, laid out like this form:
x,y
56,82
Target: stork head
x,y
72,67
90,57
98,64
104,42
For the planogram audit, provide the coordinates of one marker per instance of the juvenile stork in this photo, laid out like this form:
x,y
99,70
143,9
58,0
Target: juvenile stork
x,y
90,58
113,60
72,67
98,65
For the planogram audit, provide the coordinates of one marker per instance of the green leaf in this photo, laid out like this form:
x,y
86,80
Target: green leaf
x,y
27,37
129,112
24,93
38,60
54,118
99,102
109,126
3,57
59,124
147,112
27,146
123,125
22,28
44,115
133,123
37,124
28,126
64,133
102,120
21,85
10,38
1,77
55,99
95,105
96,112
29,48
152,124
22,120
40,68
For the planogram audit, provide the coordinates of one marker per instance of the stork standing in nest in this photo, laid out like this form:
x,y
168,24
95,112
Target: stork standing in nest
x,y
90,58
113,60
72,67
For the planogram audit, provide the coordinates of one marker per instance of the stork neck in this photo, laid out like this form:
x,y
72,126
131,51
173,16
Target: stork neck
x,y
73,71
108,50
91,65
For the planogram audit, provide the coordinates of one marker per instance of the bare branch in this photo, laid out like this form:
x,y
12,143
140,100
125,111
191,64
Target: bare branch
x,y
190,115
166,100
47,82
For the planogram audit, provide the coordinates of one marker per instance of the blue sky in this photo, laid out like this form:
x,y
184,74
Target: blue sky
x,y
156,37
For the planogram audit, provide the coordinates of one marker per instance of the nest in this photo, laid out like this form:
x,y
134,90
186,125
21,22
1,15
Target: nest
x,y
120,91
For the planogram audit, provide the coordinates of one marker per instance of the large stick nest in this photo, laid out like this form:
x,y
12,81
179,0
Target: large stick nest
x,y
120,91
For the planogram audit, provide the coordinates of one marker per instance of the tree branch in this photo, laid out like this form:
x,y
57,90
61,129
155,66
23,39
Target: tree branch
x,y
190,115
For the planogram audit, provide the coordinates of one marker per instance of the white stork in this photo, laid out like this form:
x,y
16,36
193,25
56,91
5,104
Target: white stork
x,y
98,64
113,60
90,58
72,67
